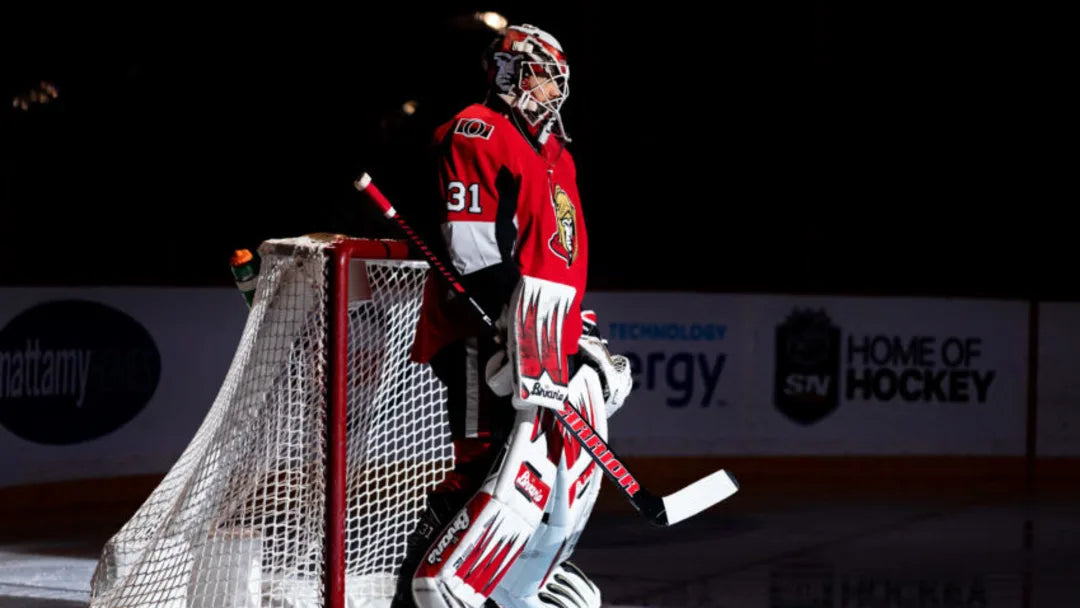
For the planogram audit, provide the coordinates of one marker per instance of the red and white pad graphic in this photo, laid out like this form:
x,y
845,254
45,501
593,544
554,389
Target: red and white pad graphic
x,y
472,554
541,311
585,404
488,560
580,484
478,546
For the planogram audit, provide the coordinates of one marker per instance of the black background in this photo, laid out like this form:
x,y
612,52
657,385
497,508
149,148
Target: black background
x,y
758,147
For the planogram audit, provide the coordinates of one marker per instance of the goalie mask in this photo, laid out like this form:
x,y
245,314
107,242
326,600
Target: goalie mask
x,y
526,67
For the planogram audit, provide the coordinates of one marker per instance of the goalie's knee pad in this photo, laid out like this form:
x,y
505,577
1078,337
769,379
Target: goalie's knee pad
x,y
478,545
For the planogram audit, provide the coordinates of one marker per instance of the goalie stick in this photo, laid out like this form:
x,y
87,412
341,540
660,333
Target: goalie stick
x,y
659,510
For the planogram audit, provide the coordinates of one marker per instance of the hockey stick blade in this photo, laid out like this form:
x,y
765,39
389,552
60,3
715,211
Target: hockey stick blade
x,y
661,511
696,497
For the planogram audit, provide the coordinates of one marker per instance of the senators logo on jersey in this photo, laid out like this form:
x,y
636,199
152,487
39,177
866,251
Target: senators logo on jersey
x,y
564,242
474,127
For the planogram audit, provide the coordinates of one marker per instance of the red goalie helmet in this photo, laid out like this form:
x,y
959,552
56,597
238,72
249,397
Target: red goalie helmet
x,y
526,66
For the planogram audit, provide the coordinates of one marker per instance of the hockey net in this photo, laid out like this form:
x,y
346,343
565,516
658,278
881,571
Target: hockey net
x,y
311,466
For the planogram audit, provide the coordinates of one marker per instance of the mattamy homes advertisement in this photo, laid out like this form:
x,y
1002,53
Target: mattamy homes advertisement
x,y
108,382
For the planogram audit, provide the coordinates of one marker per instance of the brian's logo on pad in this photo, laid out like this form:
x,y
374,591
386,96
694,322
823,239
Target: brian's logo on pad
x,y
530,485
545,390
474,127
460,524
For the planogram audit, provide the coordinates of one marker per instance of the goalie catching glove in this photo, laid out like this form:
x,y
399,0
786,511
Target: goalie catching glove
x,y
614,370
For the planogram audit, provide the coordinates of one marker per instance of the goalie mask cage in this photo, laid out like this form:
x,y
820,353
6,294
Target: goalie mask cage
x,y
311,467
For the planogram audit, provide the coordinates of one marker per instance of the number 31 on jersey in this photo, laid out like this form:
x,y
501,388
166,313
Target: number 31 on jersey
x,y
458,192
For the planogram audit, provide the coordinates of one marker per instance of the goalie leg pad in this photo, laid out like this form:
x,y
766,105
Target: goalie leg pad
x,y
480,544
541,565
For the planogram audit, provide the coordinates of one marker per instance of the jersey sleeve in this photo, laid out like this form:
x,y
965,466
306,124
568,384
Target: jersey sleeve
x,y
477,182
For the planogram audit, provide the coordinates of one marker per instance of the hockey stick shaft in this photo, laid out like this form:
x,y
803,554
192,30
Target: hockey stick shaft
x,y
363,184
662,511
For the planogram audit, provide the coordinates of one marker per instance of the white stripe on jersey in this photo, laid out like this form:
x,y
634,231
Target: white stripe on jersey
x,y
472,245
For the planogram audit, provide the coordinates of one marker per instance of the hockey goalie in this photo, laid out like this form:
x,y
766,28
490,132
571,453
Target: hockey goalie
x,y
503,524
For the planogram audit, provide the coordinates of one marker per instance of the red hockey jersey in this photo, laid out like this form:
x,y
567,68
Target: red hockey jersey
x,y
505,203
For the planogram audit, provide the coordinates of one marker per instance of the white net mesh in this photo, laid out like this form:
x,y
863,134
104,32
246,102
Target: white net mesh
x,y
238,521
